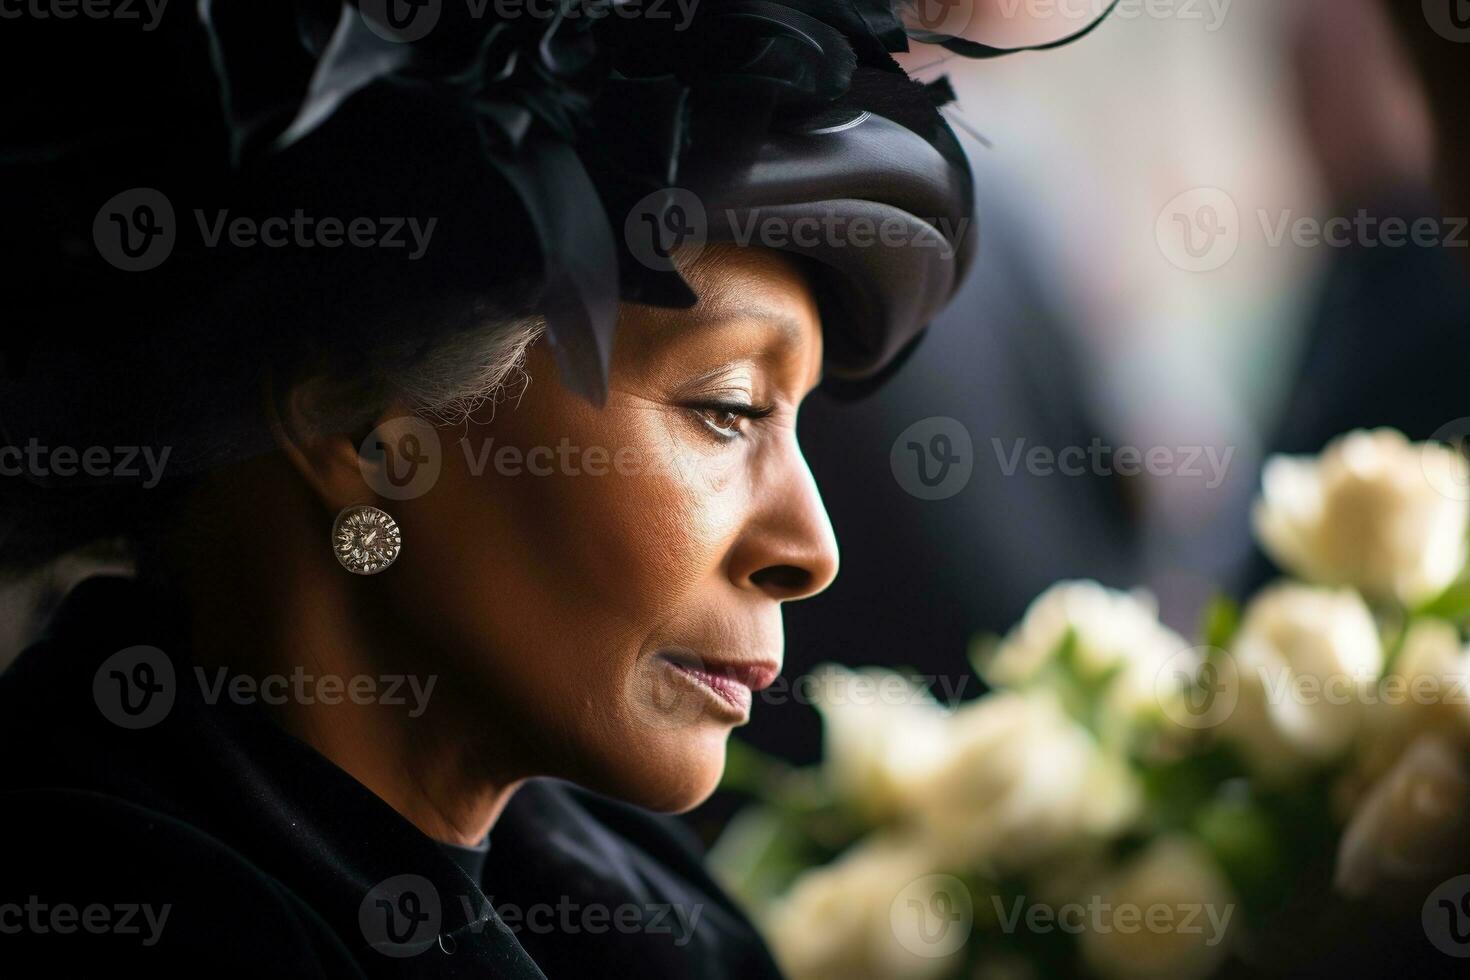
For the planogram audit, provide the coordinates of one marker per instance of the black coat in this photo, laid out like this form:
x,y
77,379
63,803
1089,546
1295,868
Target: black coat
x,y
212,842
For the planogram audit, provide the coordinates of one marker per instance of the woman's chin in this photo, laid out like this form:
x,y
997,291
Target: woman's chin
x,y
668,775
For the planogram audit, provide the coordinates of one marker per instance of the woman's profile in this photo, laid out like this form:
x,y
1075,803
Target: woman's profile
x,y
465,350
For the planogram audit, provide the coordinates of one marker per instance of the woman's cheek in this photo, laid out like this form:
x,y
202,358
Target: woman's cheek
x,y
674,510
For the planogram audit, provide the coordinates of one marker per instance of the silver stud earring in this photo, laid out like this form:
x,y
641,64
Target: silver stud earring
x,y
366,540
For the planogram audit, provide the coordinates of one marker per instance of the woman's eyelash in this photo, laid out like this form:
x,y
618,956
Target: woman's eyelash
x,y
742,410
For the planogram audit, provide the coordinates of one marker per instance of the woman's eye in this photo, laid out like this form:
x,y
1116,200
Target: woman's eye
x,y
725,420
722,420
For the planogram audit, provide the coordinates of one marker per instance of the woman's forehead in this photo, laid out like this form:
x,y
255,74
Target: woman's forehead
x,y
752,303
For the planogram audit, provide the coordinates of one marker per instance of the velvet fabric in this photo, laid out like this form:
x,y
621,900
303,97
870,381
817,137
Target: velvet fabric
x,y
211,842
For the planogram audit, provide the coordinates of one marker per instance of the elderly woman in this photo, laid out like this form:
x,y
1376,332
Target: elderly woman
x,y
442,373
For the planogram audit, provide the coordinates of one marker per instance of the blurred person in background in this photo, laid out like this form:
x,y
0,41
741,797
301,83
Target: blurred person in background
x,y
1436,34
1386,339
1379,90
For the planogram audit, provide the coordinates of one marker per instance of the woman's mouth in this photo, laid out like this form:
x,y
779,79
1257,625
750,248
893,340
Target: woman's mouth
x,y
731,685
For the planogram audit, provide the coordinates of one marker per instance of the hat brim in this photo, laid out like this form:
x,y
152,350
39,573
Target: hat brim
x,y
884,217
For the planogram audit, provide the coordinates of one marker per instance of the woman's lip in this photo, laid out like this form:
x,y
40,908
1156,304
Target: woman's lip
x,y
754,676
731,683
727,689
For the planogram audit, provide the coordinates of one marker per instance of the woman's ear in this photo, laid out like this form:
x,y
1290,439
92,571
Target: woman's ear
x,y
322,427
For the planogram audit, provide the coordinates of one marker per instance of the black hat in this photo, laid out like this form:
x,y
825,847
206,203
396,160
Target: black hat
x,y
188,198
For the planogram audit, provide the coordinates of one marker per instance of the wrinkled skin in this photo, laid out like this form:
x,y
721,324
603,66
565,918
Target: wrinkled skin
x,y
549,592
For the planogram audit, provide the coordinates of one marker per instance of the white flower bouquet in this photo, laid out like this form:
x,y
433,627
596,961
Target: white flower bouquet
x,y
1124,802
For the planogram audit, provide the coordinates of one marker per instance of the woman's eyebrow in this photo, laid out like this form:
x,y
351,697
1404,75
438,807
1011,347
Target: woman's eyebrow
x,y
788,332
784,331
789,329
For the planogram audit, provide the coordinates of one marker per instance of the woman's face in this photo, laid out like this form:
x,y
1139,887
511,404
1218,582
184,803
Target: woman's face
x,y
603,586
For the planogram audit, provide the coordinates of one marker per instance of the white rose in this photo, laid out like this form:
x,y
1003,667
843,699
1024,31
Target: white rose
x,y
1168,914
1433,653
838,921
1412,824
1426,690
1022,780
1368,513
881,733
1115,635
1306,660
1110,629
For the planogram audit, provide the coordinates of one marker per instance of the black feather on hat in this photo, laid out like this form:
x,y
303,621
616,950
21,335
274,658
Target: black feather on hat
x,y
550,151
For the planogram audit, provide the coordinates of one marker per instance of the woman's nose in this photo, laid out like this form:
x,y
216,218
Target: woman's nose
x,y
788,549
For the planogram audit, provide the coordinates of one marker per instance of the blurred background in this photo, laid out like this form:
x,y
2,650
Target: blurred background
x,y
1192,258
1138,287
1185,267
1141,286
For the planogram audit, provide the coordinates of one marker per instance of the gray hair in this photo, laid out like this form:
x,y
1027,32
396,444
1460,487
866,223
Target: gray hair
x,y
469,370
475,366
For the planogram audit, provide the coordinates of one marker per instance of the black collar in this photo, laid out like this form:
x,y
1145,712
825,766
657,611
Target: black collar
x,y
229,772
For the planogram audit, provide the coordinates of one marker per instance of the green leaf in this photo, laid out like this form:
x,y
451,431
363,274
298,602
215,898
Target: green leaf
x,y
1220,622
1245,842
1177,790
1452,604
1065,655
